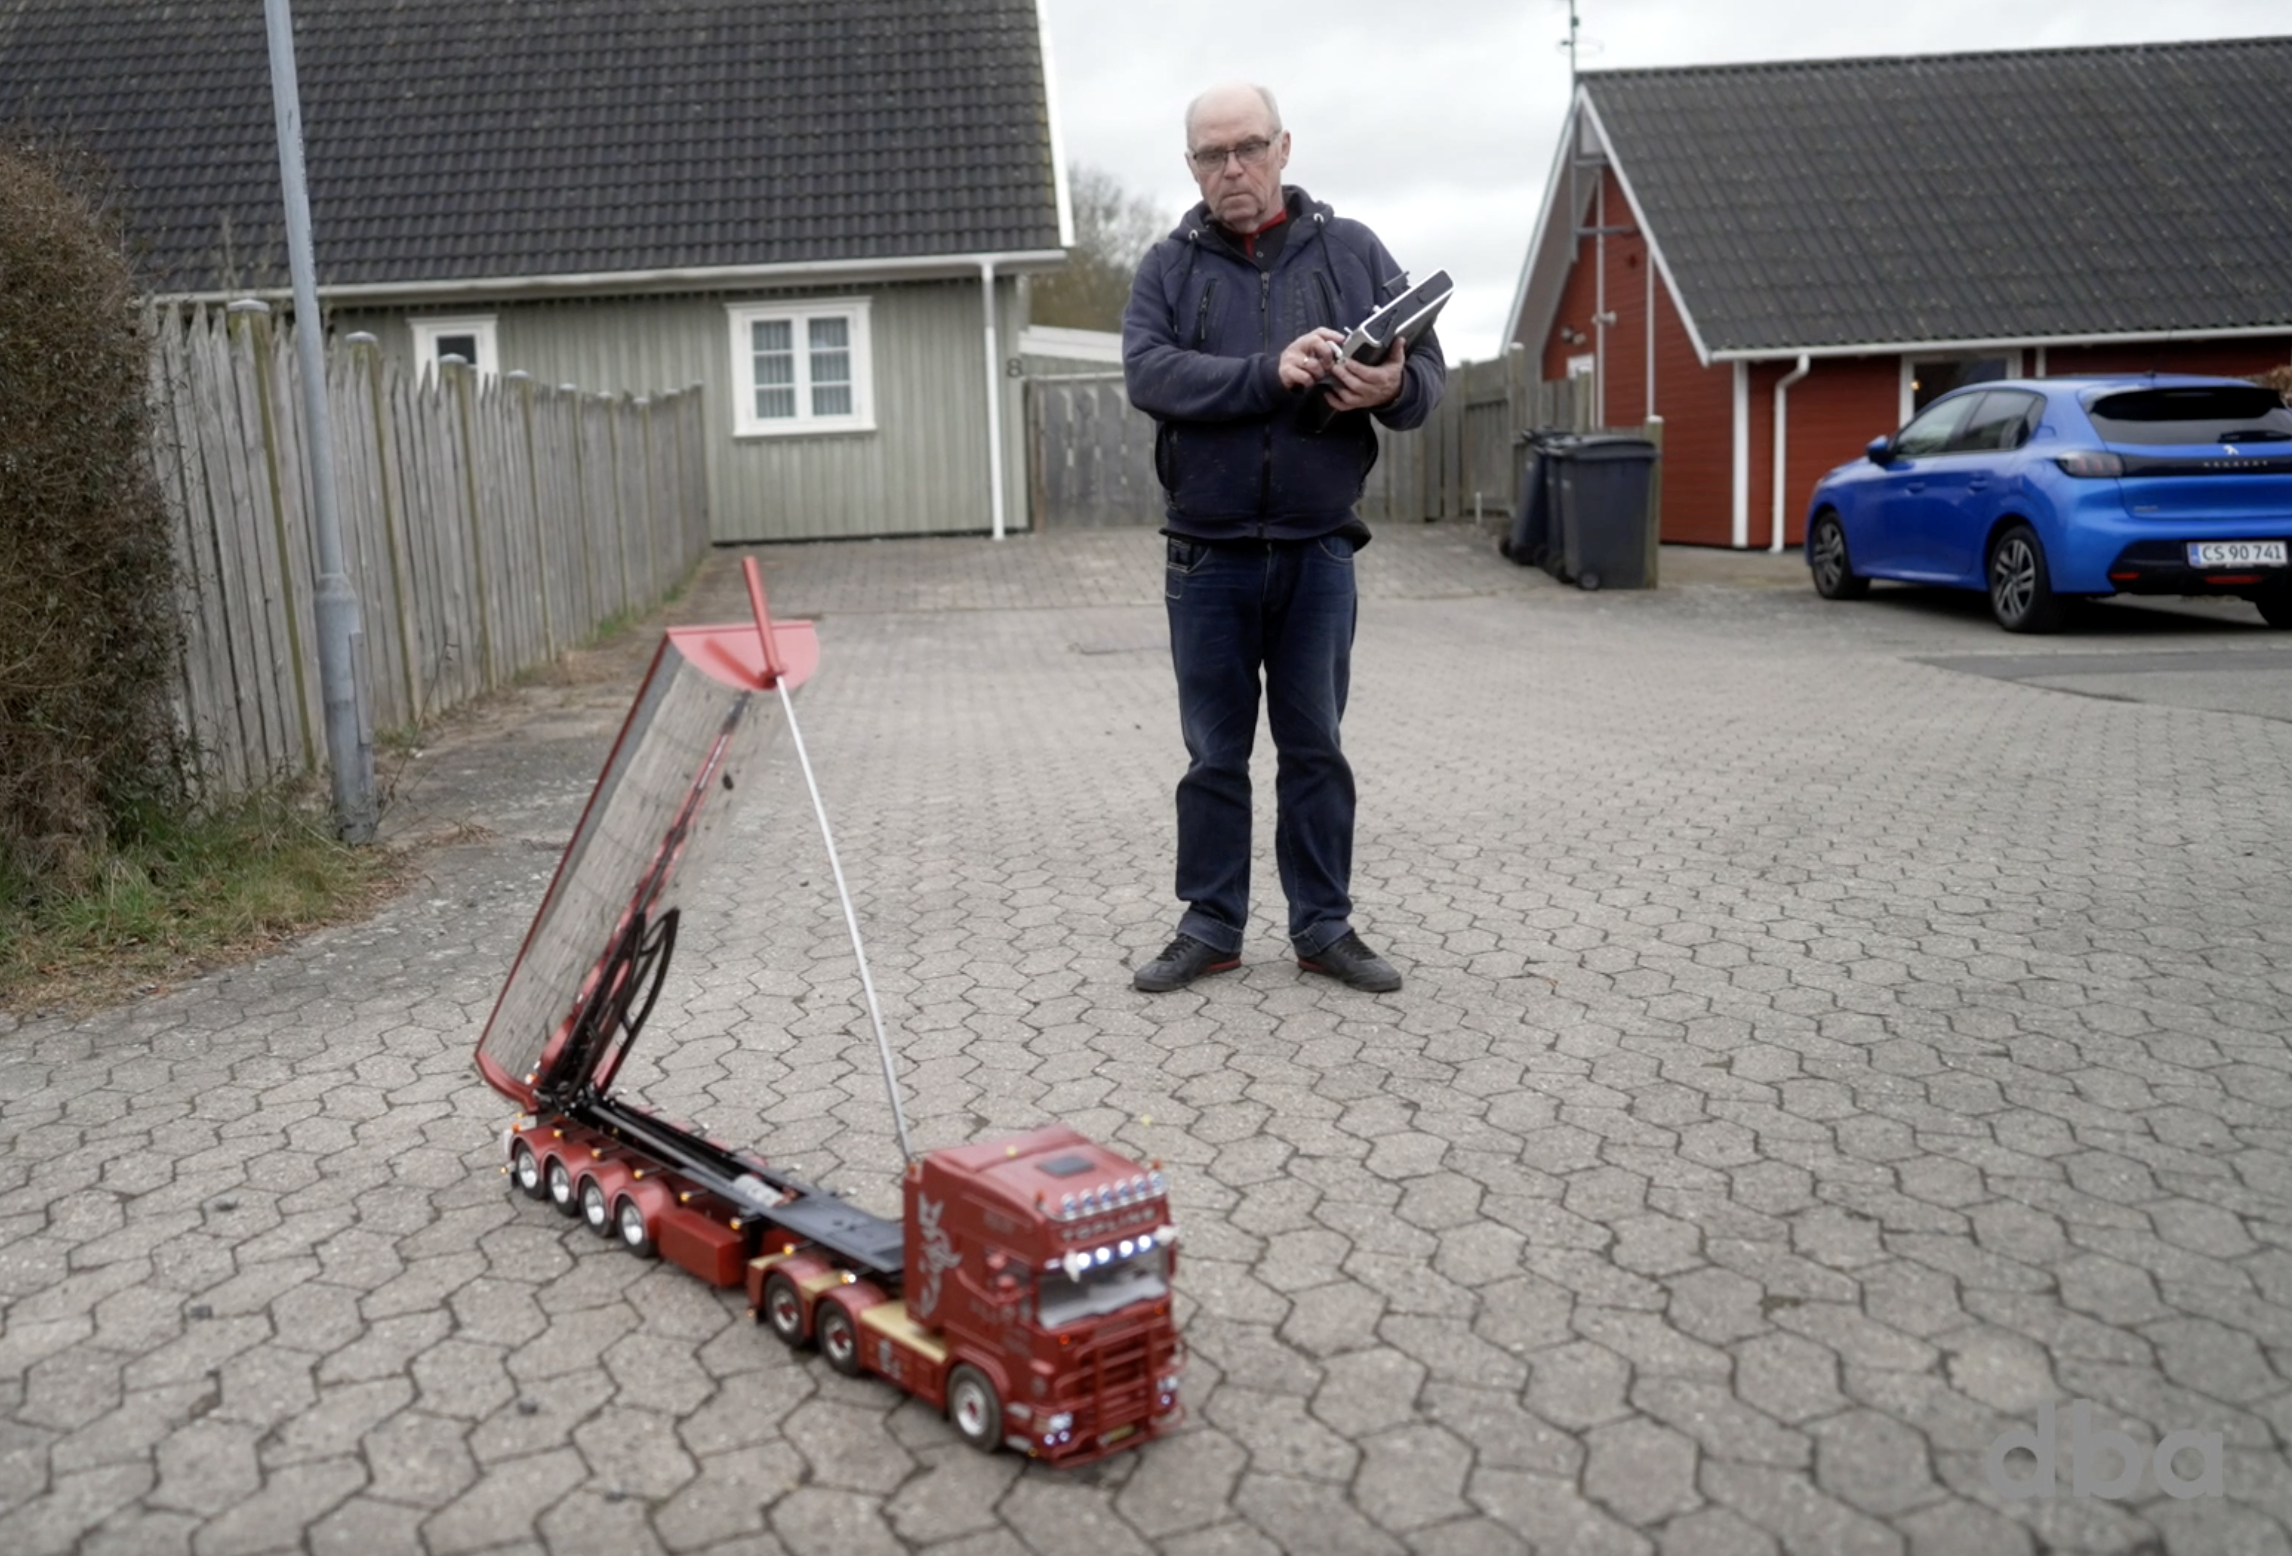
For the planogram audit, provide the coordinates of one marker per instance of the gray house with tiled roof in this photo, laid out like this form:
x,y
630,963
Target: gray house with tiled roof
x,y
821,210
1783,260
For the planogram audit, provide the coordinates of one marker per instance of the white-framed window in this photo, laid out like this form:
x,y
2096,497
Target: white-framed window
x,y
470,337
802,367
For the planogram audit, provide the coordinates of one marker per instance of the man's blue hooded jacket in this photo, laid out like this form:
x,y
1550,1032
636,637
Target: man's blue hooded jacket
x,y
1201,347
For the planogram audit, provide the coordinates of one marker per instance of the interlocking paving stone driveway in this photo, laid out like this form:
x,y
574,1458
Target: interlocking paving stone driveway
x,y
1813,1062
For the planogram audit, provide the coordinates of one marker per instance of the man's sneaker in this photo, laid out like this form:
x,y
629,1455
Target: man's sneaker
x,y
1350,962
1184,961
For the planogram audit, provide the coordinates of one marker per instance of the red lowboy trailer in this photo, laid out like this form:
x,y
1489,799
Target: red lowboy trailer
x,y
1025,1288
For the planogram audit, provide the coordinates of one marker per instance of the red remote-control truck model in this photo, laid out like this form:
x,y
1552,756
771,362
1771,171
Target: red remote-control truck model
x,y
1025,1288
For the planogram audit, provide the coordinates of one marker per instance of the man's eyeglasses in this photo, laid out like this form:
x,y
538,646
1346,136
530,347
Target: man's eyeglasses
x,y
1212,159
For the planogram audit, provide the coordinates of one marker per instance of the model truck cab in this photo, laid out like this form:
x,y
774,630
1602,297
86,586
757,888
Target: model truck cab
x,y
1046,1259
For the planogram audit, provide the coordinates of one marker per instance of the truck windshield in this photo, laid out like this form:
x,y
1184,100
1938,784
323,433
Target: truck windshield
x,y
1103,1288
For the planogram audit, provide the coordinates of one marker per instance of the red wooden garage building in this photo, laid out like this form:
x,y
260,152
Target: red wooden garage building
x,y
1784,261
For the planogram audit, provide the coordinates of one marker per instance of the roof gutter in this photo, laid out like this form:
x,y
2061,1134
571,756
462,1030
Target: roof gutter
x,y
1783,445
708,278
1996,343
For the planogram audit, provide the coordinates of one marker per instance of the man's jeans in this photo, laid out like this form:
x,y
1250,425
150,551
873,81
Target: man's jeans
x,y
1287,607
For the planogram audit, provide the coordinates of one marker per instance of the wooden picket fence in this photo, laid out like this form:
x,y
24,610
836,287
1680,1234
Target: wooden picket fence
x,y
488,525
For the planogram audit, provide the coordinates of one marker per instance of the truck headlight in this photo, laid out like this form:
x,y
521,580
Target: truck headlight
x,y
1060,1422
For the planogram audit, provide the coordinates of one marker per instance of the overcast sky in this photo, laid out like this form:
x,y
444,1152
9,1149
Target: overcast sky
x,y
1434,120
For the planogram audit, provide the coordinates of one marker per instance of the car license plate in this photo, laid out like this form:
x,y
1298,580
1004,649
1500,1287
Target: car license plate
x,y
2236,553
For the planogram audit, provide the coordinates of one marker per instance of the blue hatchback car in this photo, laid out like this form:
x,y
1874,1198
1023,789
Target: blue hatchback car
x,y
2038,490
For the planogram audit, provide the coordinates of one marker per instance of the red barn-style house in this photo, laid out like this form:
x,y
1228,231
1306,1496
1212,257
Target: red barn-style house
x,y
1784,261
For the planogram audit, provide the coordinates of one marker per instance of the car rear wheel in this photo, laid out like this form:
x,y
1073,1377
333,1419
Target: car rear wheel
x,y
2021,597
1827,559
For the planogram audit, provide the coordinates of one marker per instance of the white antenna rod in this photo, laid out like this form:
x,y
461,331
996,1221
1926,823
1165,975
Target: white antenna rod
x,y
773,672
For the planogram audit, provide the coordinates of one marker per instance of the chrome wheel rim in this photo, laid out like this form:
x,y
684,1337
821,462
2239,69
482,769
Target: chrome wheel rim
x,y
2013,577
560,1184
786,1314
1830,555
527,1169
970,1409
632,1224
593,1205
836,1339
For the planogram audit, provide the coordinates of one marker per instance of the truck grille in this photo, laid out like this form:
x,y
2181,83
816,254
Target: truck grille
x,y
1121,1371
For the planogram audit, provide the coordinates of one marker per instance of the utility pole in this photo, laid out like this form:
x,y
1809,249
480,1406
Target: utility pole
x,y
1570,46
341,637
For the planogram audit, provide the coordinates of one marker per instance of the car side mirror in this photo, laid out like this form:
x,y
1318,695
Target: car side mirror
x,y
1880,450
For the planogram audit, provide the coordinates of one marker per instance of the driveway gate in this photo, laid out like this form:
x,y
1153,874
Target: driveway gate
x,y
1091,456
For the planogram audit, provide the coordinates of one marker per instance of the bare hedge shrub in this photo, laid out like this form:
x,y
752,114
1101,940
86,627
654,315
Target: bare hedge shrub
x,y
87,613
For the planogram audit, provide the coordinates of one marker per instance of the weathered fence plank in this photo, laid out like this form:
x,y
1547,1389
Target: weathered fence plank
x,y
474,518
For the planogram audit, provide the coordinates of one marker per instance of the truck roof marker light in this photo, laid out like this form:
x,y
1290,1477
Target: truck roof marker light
x,y
1128,1248
1160,1184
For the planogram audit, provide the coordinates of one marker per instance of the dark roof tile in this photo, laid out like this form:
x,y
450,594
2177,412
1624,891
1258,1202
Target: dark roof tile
x,y
473,139
2039,194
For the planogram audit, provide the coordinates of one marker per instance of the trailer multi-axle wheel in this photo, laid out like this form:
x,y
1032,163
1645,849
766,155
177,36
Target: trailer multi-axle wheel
x,y
636,1236
783,1309
594,1210
560,1181
525,1167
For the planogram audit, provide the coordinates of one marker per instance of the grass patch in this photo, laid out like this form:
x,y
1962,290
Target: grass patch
x,y
176,897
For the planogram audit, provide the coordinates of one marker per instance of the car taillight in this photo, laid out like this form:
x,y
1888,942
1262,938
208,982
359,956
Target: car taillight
x,y
2091,463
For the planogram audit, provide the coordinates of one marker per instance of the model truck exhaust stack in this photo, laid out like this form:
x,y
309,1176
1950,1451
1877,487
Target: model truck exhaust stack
x,y
1025,1288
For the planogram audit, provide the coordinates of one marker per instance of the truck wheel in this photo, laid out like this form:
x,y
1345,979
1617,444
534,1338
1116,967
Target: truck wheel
x,y
560,1184
629,1218
594,1210
525,1168
839,1338
973,1409
784,1309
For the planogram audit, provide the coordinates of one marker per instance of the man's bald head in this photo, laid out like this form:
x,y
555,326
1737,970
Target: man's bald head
x,y
1230,97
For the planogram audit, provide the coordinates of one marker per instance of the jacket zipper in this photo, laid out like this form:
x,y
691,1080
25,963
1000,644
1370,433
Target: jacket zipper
x,y
1265,343
1202,318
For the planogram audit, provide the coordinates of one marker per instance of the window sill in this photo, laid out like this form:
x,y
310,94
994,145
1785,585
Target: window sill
x,y
804,429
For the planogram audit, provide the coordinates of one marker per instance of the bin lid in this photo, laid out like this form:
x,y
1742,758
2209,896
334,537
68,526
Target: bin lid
x,y
1602,446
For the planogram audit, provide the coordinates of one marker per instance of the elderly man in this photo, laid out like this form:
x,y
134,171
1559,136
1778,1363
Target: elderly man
x,y
1233,320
